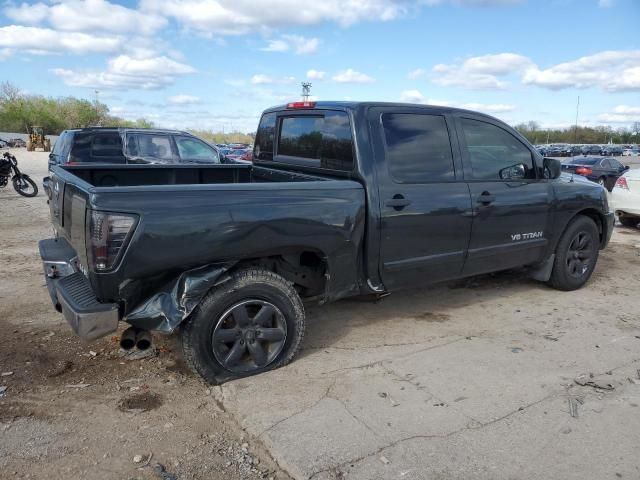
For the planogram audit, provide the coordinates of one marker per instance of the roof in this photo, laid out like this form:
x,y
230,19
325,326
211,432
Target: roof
x,y
356,105
127,129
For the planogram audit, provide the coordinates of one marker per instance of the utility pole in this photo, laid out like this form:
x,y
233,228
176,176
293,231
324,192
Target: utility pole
x,y
575,135
96,107
306,91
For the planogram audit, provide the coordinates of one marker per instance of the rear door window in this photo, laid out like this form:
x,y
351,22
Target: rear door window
x,y
149,146
417,147
106,145
196,150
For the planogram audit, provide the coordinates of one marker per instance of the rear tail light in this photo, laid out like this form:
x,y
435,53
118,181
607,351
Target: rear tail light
x,y
107,237
622,183
301,105
584,171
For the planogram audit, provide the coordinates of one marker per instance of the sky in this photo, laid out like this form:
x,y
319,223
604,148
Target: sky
x,y
216,64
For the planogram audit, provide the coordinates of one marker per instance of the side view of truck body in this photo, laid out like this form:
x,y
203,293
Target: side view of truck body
x,y
342,199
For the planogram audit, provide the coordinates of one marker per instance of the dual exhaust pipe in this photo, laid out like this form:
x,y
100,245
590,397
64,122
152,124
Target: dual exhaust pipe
x,y
133,337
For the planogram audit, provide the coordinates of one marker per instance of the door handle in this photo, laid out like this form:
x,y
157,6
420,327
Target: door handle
x,y
398,202
486,198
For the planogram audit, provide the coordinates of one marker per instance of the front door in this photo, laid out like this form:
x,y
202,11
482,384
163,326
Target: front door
x,y
425,207
511,204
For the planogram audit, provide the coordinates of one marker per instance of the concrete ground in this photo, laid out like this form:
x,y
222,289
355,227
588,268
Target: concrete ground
x,y
467,380
473,379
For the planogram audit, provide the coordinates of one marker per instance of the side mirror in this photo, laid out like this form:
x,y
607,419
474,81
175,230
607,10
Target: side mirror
x,y
514,172
551,168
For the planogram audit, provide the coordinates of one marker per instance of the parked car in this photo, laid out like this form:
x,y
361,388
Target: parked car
x,y
130,145
225,254
554,151
17,143
4,144
612,151
542,150
604,171
625,198
236,153
575,150
631,152
592,150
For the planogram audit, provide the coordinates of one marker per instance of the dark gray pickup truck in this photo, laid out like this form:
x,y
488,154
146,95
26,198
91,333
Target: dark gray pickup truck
x,y
342,199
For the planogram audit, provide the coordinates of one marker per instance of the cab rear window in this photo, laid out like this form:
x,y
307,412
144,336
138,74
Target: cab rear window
x,y
321,139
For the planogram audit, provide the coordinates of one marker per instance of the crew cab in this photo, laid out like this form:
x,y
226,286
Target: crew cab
x,y
342,199
108,145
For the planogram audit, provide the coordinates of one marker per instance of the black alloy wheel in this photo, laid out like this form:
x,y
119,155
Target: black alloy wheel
x,y
580,254
249,336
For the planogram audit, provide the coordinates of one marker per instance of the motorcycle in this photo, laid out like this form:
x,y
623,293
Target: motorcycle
x,y
21,182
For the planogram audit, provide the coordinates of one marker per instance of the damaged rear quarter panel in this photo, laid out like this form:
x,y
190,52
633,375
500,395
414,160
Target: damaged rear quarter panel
x,y
188,238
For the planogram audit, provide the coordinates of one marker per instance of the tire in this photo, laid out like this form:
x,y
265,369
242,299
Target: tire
x,y
218,348
629,221
576,255
25,186
602,181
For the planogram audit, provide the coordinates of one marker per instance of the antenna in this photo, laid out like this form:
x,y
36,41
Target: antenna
x,y
306,91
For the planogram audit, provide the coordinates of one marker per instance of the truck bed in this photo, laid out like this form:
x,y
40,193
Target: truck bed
x,y
189,216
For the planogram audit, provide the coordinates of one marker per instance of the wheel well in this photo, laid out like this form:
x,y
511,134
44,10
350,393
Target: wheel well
x,y
596,216
306,269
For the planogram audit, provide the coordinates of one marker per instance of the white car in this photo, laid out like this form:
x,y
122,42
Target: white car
x,y
630,152
625,198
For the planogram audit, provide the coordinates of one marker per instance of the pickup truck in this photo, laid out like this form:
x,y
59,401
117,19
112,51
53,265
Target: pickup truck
x,y
343,199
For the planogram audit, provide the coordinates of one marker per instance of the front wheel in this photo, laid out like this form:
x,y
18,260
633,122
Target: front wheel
x,y
576,255
25,186
250,324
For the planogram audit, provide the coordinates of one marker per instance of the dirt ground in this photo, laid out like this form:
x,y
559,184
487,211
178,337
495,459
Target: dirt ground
x,y
74,410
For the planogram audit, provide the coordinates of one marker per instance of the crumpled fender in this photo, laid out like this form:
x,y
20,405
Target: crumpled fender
x,y
166,309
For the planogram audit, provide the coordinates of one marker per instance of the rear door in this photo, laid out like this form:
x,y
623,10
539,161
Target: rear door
x,y
511,204
424,202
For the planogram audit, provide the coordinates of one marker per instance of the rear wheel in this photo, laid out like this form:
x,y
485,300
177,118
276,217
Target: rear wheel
x,y
602,181
25,186
576,255
249,324
629,221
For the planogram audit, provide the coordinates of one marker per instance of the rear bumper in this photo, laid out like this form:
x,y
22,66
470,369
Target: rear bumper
x,y
71,292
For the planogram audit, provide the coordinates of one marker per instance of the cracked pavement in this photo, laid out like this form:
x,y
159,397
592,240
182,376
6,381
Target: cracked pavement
x,y
470,379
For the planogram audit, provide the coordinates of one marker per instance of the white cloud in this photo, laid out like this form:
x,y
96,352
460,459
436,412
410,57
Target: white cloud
x,y
621,114
605,3
42,41
315,74
296,43
263,79
415,96
238,17
416,74
88,16
125,72
613,70
352,76
480,72
183,99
